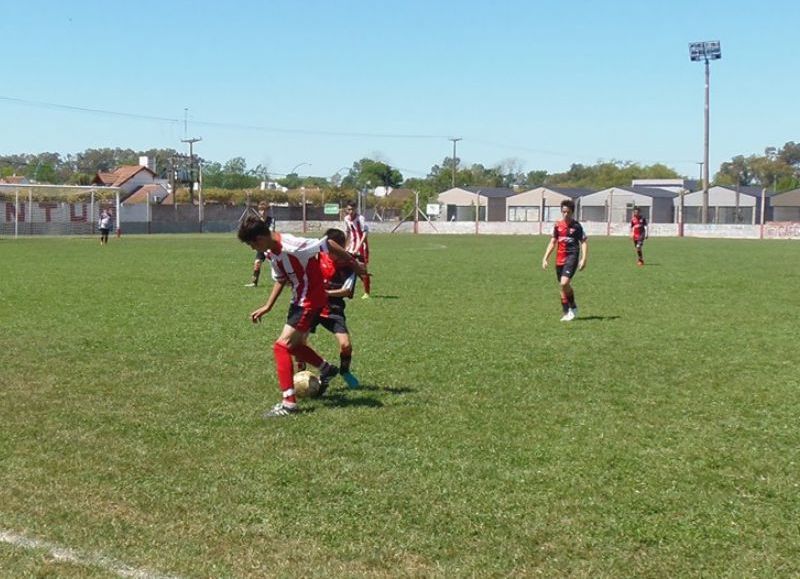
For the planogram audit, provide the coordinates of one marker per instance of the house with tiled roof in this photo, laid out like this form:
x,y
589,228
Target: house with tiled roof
x,y
14,180
128,178
152,193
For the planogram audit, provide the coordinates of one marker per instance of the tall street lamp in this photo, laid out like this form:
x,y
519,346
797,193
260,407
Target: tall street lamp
x,y
303,189
705,51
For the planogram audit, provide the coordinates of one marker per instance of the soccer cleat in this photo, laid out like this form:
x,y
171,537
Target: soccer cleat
x,y
351,381
280,410
365,297
325,377
251,284
569,316
640,262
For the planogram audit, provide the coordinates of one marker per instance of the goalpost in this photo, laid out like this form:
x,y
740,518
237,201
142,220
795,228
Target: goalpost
x,y
34,209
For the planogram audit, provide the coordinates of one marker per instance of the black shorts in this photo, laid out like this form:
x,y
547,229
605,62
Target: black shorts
x,y
568,269
302,319
335,323
638,243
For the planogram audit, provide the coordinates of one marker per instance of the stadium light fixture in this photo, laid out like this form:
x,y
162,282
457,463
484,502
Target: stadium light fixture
x,y
705,52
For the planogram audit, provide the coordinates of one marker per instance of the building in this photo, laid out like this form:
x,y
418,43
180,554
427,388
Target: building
x,y
726,204
129,179
459,203
615,204
785,206
542,203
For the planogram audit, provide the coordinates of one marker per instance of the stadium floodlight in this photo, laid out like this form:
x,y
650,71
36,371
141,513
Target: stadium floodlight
x,y
705,51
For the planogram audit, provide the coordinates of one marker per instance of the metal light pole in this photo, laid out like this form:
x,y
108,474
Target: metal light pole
x,y
455,163
705,51
292,172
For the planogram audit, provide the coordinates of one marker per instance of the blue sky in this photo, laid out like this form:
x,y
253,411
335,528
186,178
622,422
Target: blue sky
x,y
280,83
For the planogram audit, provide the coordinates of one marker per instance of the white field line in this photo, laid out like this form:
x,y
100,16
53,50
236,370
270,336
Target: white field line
x,y
63,554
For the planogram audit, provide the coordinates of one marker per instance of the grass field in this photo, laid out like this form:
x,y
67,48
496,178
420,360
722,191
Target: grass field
x,y
655,436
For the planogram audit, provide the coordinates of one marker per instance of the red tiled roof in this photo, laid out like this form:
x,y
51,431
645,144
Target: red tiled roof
x,y
121,175
144,192
14,180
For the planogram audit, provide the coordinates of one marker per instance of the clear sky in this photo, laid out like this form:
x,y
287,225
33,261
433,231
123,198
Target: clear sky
x,y
283,82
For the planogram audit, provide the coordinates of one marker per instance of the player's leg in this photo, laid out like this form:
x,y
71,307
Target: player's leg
x,y
257,263
304,320
282,351
366,280
639,255
346,357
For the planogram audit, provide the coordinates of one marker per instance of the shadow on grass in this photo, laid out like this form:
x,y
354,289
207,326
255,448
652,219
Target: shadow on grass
x,y
347,400
595,318
380,297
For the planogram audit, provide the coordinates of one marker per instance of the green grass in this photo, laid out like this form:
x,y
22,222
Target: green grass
x,y
655,436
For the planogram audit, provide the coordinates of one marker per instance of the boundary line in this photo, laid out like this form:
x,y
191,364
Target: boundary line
x,y
63,554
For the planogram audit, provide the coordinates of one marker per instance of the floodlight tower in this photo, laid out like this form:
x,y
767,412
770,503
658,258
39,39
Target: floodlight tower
x,y
705,51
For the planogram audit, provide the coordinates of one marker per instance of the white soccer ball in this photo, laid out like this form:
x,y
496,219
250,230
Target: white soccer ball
x,y
306,384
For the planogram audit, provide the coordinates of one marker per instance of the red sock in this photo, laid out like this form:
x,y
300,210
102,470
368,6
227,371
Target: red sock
x,y
307,355
283,365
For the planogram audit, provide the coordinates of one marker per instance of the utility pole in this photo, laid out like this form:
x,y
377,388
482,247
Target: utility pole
x,y
191,142
455,162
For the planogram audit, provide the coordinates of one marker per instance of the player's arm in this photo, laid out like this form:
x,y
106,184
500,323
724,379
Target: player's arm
x,y
548,251
277,288
339,253
346,291
584,254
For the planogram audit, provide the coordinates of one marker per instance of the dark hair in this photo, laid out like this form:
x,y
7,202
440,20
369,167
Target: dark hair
x,y
352,204
568,203
252,227
336,235
635,208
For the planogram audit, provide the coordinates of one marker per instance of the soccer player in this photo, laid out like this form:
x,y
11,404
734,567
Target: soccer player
x,y
260,255
293,261
357,244
104,226
639,232
339,280
573,249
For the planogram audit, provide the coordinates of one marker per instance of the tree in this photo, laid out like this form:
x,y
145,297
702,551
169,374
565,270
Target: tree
x,y
370,173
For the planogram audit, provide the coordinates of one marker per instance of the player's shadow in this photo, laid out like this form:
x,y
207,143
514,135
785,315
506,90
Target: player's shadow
x,y
380,297
347,399
355,398
595,318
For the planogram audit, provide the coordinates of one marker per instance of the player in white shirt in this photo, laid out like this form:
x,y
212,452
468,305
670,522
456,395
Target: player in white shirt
x,y
294,261
357,242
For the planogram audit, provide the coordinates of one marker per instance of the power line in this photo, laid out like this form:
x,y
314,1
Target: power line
x,y
240,126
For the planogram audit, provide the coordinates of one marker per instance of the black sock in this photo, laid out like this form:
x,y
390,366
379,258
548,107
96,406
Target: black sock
x,y
344,363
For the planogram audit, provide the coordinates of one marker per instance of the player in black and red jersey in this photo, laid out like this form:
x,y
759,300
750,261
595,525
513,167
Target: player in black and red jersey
x,y
639,232
339,280
569,238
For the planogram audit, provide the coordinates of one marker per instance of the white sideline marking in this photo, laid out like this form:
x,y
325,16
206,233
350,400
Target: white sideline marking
x,y
85,559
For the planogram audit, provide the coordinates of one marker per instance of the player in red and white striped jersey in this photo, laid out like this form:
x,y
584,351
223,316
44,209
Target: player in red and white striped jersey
x,y
357,242
294,261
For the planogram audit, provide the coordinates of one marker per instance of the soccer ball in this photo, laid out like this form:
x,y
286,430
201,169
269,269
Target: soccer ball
x,y
306,384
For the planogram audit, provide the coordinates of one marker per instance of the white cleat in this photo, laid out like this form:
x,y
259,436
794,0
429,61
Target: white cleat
x,y
568,317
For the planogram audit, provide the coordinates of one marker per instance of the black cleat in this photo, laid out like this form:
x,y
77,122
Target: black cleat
x,y
325,377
